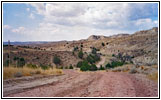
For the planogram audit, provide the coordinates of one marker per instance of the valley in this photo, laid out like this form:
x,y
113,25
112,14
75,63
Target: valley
x,y
123,65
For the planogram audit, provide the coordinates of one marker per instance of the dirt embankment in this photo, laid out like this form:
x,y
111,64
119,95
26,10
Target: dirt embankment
x,y
90,84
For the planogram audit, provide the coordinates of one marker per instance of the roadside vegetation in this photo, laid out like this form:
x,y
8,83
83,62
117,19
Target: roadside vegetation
x,y
88,63
29,70
153,76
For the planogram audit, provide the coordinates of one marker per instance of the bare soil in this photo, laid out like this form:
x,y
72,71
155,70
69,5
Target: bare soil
x,y
84,84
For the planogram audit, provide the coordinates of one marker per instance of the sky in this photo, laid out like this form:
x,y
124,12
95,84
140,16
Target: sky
x,y
75,21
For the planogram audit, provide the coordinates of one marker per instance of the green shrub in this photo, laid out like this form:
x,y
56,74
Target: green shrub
x,y
96,57
21,62
61,67
113,55
44,67
85,66
103,44
6,63
79,64
131,62
15,58
56,60
32,66
116,63
93,67
101,68
94,51
75,48
81,45
70,67
108,66
80,54
90,59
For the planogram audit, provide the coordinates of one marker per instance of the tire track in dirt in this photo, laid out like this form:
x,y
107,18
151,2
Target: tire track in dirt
x,y
82,88
55,87
143,86
95,84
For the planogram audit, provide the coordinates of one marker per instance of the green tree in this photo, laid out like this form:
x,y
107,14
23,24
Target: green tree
x,y
81,45
44,67
90,59
85,66
93,67
108,66
21,62
101,68
56,60
70,67
103,44
76,48
94,51
6,63
80,54
79,64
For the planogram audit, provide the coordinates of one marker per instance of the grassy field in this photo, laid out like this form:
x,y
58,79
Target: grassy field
x,y
11,72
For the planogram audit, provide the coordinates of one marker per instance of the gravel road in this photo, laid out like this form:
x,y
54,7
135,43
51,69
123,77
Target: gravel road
x,y
91,84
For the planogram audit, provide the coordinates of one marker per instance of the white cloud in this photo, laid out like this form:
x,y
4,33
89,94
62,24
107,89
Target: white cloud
x,y
69,21
6,27
96,15
28,9
40,7
145,23
31,16
65,10
54,32
19,30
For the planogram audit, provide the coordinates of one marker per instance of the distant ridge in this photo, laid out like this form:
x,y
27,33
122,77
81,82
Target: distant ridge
x,y
25,43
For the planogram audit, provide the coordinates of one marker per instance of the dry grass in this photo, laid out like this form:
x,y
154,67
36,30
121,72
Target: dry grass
x,y
153,76
10,72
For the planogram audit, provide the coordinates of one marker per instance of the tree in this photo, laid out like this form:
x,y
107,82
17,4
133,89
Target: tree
x,y
108,66
79,64
6,63
70,67
93,67
90,59
80,54
85,66
56,60
21,62
76,48
101,68
44,67
16,59
81,45
94,51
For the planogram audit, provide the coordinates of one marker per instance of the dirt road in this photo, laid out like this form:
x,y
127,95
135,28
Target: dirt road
x,y
93,84
101,62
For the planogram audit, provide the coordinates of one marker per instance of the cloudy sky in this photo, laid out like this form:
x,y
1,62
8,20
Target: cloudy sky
x,y
74,21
